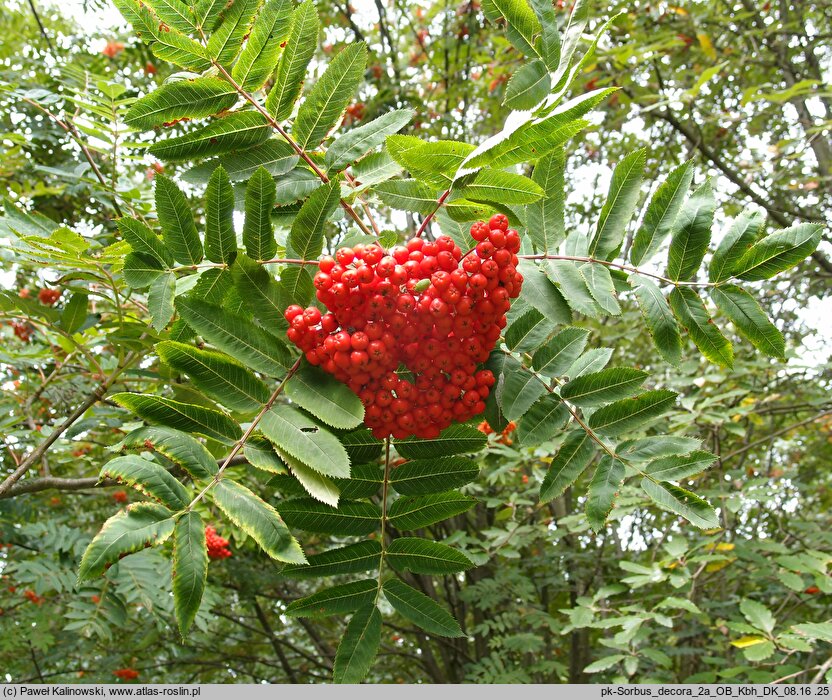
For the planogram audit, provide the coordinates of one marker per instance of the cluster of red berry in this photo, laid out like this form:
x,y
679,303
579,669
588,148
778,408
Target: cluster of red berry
x,y
217,546
49,296
22,330
127,674
120,496
504,436
32,597
424,305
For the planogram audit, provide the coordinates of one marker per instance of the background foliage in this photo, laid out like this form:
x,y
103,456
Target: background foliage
x,y
739,89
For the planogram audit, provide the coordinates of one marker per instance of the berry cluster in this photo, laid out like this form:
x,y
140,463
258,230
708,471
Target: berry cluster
x,y
120,496
504,436
127,674
22,330
48,296
32,597
217,546
407,330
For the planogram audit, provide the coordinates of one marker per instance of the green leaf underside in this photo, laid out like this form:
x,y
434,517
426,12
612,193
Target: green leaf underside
x,y
149,478
181,416
682,502
258,520
313,445
138,526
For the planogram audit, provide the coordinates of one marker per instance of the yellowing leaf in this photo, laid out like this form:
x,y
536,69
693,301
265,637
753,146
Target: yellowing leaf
x,y
749,641
718,565
707,46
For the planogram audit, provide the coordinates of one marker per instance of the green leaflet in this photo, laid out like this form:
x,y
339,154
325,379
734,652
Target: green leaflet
x,y
150,478
325,397
232,132
262,48
245,342
603,386
191,99
258,234
740,236
548,45
749,319
691,312
569,463
225,42
545,218
359,645
540,423
274,155
351,559
181,416
422,611
407,195
258,520
318,486
350,518
316,447
602,491
217,375
306,238
160,300
190,568
554,358
75,312
682,502
180,448
422,556
423,476
432,162
499,186
628,414
291,68
352,145
691,234
143,240
677,467
456,439
220,239
541,293
329,96
259,293
778,252
527,332
661,213
659,319
618,207
414,512
522,25
566,274
528,86
138,526
335,600
520,389
177,221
